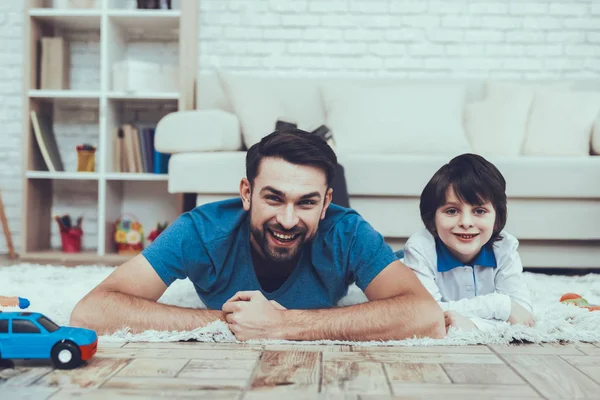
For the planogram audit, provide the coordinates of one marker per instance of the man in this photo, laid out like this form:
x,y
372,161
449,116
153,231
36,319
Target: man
x,y
271,264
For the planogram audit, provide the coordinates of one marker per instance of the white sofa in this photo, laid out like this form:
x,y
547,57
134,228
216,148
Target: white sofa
x,y
392,135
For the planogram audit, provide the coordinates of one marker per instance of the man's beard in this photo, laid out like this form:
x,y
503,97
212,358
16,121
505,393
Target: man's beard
x,y
278,254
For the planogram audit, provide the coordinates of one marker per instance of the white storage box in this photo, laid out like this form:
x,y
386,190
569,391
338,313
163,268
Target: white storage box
x,y
142,76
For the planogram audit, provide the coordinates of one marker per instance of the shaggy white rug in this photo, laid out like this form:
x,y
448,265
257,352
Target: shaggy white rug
x,y
54,291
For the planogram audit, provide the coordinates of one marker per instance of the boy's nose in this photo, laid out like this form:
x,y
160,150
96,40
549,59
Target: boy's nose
x,y
466,221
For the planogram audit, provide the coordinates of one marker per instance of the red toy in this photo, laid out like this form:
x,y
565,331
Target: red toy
x,y
577,300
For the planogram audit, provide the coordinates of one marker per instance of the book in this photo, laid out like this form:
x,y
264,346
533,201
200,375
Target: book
x,y
54,64
44,136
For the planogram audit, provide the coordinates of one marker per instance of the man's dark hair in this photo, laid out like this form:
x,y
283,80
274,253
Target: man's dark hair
x,y
294,146
475,181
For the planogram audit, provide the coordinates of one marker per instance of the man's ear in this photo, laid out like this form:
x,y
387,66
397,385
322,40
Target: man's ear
x,y
245,193
328,197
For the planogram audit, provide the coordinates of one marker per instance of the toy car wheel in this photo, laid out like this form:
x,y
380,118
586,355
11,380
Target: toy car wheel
x,y
66,355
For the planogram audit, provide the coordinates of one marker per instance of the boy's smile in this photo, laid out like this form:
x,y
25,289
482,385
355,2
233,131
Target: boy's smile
x,y
464,228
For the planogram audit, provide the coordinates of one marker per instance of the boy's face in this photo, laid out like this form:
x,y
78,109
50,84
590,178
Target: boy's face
x,y
464,228
286,204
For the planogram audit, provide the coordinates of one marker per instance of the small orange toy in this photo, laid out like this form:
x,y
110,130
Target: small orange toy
x,y
577,300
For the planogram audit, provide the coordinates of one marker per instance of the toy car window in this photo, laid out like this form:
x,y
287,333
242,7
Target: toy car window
x,y
3,326
46,323
24,326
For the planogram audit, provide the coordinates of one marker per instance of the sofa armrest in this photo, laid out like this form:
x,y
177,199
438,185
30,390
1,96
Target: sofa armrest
x,y
198,131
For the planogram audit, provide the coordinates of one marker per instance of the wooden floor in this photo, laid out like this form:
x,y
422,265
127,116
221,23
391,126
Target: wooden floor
x,y
237,371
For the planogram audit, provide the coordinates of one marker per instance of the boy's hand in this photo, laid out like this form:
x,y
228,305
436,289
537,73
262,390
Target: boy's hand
x,y
458,321
519,315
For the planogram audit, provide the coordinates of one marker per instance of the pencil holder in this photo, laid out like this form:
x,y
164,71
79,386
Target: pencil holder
x,y
86,160
71,240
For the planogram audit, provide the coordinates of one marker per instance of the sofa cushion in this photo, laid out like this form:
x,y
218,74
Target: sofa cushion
x,y
404,119
198,130
260,101
497,125
561,123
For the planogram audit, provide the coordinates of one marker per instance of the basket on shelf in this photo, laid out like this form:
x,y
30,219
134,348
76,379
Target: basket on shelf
x,y
129,236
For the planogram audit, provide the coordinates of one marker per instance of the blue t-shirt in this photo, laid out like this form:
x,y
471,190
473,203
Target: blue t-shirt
x,y
210,245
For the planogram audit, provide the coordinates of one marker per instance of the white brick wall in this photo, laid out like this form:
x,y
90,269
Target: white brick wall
x,y
516,39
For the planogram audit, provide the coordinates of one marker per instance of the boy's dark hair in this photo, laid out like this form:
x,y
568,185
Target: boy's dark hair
x,y
294,146
475,181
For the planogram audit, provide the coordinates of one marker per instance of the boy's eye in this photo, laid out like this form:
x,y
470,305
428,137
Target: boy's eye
x,y
452,211
480,211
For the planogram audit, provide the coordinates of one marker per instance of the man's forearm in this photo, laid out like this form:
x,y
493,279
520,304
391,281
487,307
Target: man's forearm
x,y
107,312
387,319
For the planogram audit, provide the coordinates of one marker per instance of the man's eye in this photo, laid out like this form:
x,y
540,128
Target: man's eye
x,y
308,203
270,197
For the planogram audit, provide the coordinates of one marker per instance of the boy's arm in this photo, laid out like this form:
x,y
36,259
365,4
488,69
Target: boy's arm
x,y
489,306
399,308
128,298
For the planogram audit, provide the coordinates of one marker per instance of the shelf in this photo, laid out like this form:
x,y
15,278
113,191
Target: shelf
x,y
137,22
143,96
82,176
71,259
86,20
124,176
64,94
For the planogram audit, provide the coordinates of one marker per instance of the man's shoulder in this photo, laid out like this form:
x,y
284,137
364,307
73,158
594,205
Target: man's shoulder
x,y
217,219
339,218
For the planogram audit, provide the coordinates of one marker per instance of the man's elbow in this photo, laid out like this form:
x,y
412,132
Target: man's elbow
x,y
83,315
432,323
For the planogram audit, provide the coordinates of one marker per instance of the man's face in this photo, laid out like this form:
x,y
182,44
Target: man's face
x,y
286,203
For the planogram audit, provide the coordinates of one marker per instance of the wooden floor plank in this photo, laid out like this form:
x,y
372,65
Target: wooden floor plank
x,y
173,384
261,395
431,358
150,367
296,347
416,372
479,349
553,377
454,391
212,354
193,346
288,371
110,344
590,351
593,361
218,369
499,374
591,371
92,375
354,377
24,373
32,392
127,394
537,349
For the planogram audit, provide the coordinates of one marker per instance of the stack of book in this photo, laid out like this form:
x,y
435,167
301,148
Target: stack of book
x,y
134,151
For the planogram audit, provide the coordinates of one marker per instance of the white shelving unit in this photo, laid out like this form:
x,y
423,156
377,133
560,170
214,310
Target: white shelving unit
x,y
144,195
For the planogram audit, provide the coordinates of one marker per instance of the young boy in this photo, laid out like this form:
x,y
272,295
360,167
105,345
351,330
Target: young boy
x,y
463,256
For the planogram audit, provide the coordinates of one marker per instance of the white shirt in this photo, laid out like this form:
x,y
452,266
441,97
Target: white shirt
x,y
474,291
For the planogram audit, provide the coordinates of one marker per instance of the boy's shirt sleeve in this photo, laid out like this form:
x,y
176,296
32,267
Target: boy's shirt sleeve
x,y
509,277
489,306
368,253
176,250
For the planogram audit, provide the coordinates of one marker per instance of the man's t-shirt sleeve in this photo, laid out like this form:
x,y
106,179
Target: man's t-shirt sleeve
x,y
176,249
369,254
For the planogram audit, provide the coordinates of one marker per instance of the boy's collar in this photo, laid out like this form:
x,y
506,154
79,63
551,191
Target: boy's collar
x,y
446,261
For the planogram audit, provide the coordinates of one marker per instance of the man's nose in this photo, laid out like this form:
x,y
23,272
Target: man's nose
x,y
287,217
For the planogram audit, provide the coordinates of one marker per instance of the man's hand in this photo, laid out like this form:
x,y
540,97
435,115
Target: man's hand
x,y
251,316
519,315
458,321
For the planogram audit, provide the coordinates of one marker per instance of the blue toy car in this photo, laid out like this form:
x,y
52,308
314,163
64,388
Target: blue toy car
x,y
29,335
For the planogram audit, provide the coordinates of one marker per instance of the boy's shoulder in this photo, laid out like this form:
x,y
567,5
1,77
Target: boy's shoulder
x,y
507,244
422,239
